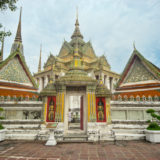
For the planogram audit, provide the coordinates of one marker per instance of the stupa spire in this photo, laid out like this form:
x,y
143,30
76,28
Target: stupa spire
x,y
2,48
17,45
77,32
18,37
39,65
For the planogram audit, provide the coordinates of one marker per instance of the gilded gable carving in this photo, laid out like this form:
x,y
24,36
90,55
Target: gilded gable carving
x,y
138,73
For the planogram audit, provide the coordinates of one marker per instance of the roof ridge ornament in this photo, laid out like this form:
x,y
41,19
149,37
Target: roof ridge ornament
x,y
39,65
2,47
134,46
18,37
77,33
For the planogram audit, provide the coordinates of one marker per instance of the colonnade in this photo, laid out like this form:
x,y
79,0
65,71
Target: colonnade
x,y
109,81
42,82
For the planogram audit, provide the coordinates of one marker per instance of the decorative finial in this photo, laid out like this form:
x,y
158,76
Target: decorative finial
x,y
76,49
100,78
134,47
39,66
77,12
77,23
2,47
77,32
18,37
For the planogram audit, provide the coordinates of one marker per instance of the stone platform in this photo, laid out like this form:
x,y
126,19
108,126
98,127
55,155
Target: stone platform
x,y
122,150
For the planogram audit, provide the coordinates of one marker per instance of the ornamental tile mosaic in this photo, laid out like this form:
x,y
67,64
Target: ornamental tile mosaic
x,y
14,71
138,73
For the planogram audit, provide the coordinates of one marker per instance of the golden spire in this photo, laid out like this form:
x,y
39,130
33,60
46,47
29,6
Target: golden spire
x,y
100,78
77,23
2,47
76,32
39,65
76,54
18,37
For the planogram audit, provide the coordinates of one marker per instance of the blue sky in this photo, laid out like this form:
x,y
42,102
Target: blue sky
x,y
110,25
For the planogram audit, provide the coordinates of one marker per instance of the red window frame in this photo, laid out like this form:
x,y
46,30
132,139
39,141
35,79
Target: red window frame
x,y
54,100
104,102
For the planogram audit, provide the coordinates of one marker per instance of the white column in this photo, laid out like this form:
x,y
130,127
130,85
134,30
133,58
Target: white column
x,y
108,82
40,84
111,84
102,77
45,81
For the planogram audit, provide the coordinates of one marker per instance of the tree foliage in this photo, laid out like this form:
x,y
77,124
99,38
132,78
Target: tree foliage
x,y
152,124
5,4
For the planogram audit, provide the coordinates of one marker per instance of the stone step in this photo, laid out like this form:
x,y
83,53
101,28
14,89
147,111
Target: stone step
x,y
74,126
76,131
21,131
19,126
128,126
21,136
125,136
131,131
75,141
75,138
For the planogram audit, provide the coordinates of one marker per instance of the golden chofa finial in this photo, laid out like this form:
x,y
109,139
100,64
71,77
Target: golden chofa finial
x,y
134,46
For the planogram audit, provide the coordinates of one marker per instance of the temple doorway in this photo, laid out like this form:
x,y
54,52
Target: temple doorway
x,y
75,113
75,102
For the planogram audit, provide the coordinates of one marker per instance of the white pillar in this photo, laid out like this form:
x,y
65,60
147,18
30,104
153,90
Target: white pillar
x,y
111,84
40,84
102,77
45,81
108,82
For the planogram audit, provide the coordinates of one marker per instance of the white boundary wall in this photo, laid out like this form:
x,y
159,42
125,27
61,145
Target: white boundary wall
x,y
132,111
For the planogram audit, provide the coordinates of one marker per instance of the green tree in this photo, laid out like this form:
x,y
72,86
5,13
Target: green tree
x,y
4,5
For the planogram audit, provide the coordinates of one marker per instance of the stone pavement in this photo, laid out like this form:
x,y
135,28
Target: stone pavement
x,y
130,150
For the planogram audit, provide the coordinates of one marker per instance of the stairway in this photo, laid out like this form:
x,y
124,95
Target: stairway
x,y
75,135
22,132
128,132
74,126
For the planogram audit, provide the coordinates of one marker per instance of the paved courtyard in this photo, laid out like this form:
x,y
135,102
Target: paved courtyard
x,y
131,150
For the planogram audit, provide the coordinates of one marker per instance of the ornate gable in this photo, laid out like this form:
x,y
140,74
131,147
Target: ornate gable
x,y
88,50
103,61
51,60
138,73
13,71
65,49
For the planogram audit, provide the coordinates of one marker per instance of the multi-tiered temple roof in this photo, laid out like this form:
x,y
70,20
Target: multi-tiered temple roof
x,y
15,78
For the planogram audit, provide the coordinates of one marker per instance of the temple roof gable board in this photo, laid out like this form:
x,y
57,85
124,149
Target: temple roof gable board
x,y
14,69
145,67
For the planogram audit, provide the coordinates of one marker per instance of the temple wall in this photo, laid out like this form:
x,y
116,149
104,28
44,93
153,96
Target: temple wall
x,y
132,111
22,110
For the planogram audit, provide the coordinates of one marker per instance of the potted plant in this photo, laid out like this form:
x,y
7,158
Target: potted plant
x,y
153,129
2,130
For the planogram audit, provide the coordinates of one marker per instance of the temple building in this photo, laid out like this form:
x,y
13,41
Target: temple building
x,y
76,74
16,81
140,80
92,64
